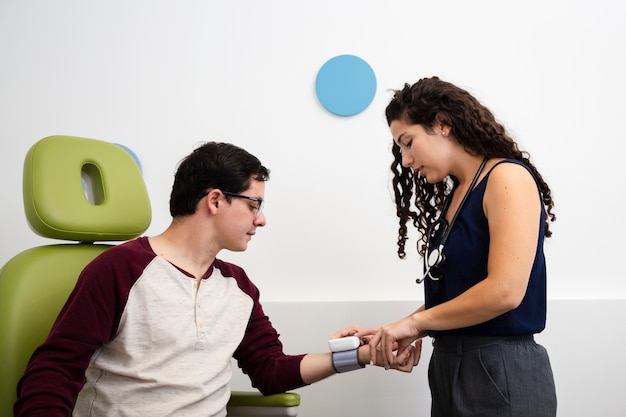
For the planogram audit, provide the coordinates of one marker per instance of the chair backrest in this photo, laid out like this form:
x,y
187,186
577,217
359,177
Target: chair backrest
x,y
78,190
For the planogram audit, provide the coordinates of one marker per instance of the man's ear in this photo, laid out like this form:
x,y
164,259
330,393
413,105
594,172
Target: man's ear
x,y
213,200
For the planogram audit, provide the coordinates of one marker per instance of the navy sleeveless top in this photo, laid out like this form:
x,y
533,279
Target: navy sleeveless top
x,y
465,265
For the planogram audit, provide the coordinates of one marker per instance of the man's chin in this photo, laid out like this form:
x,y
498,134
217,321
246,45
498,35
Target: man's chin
x,y
241,248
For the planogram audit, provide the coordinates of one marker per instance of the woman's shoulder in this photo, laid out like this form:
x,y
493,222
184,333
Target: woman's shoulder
x,y
510,177
508,170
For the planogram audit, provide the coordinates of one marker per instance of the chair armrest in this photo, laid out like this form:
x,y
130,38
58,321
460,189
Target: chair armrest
x,y
244,403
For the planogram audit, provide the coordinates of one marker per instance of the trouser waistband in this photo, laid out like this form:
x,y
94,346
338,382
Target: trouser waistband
x,y
458,343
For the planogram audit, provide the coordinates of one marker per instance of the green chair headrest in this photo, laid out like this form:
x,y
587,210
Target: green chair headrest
x,y
84,190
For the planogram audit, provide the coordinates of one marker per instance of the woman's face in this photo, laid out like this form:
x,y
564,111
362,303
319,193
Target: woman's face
x,y
421,151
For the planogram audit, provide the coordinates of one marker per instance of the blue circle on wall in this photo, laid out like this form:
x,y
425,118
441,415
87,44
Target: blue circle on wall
x,y
345,85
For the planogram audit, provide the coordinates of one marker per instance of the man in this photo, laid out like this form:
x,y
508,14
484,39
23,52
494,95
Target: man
x,y
152,324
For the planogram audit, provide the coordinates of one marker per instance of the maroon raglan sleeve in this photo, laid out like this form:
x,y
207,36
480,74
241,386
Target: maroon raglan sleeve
x,y
56,371
260,354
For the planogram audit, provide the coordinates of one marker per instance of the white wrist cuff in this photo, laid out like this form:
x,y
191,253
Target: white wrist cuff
x,y
347,360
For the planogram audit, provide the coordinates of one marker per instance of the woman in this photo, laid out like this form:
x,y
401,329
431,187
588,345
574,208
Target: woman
x,y
482,211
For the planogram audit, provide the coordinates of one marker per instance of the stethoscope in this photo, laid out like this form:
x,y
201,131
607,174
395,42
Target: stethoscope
x,y
435,257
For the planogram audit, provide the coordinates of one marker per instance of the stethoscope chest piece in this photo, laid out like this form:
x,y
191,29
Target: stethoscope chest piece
x,y
436,257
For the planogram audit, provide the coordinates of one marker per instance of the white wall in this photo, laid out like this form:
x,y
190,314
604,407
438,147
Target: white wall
x,y
160,76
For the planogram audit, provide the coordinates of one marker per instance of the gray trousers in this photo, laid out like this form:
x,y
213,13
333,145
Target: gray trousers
x,y
490,376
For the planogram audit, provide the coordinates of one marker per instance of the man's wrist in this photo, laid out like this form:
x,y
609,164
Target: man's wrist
x,y
364,354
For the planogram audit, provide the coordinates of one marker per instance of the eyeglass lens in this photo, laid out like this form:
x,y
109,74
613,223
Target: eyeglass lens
x,y
260,202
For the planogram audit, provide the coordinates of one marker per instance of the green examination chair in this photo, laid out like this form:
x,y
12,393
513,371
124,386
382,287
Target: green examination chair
x,y
80,191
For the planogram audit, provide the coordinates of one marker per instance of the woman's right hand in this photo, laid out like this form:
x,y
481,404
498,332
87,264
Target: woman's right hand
x,y
355,331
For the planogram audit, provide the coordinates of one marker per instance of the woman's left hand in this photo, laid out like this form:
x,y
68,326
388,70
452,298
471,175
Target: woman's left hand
x,y
398,337
405,359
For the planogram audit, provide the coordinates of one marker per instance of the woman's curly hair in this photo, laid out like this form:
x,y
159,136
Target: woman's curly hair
x,y
432,100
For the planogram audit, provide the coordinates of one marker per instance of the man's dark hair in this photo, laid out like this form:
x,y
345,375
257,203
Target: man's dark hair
x,y
214,165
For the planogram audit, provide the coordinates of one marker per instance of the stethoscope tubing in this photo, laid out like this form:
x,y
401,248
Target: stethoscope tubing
x,y
428,263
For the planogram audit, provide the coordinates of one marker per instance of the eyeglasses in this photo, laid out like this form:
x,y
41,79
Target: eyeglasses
x,y
258,208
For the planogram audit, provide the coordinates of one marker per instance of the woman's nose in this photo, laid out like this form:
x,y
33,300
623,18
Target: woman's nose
x,y
407,159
